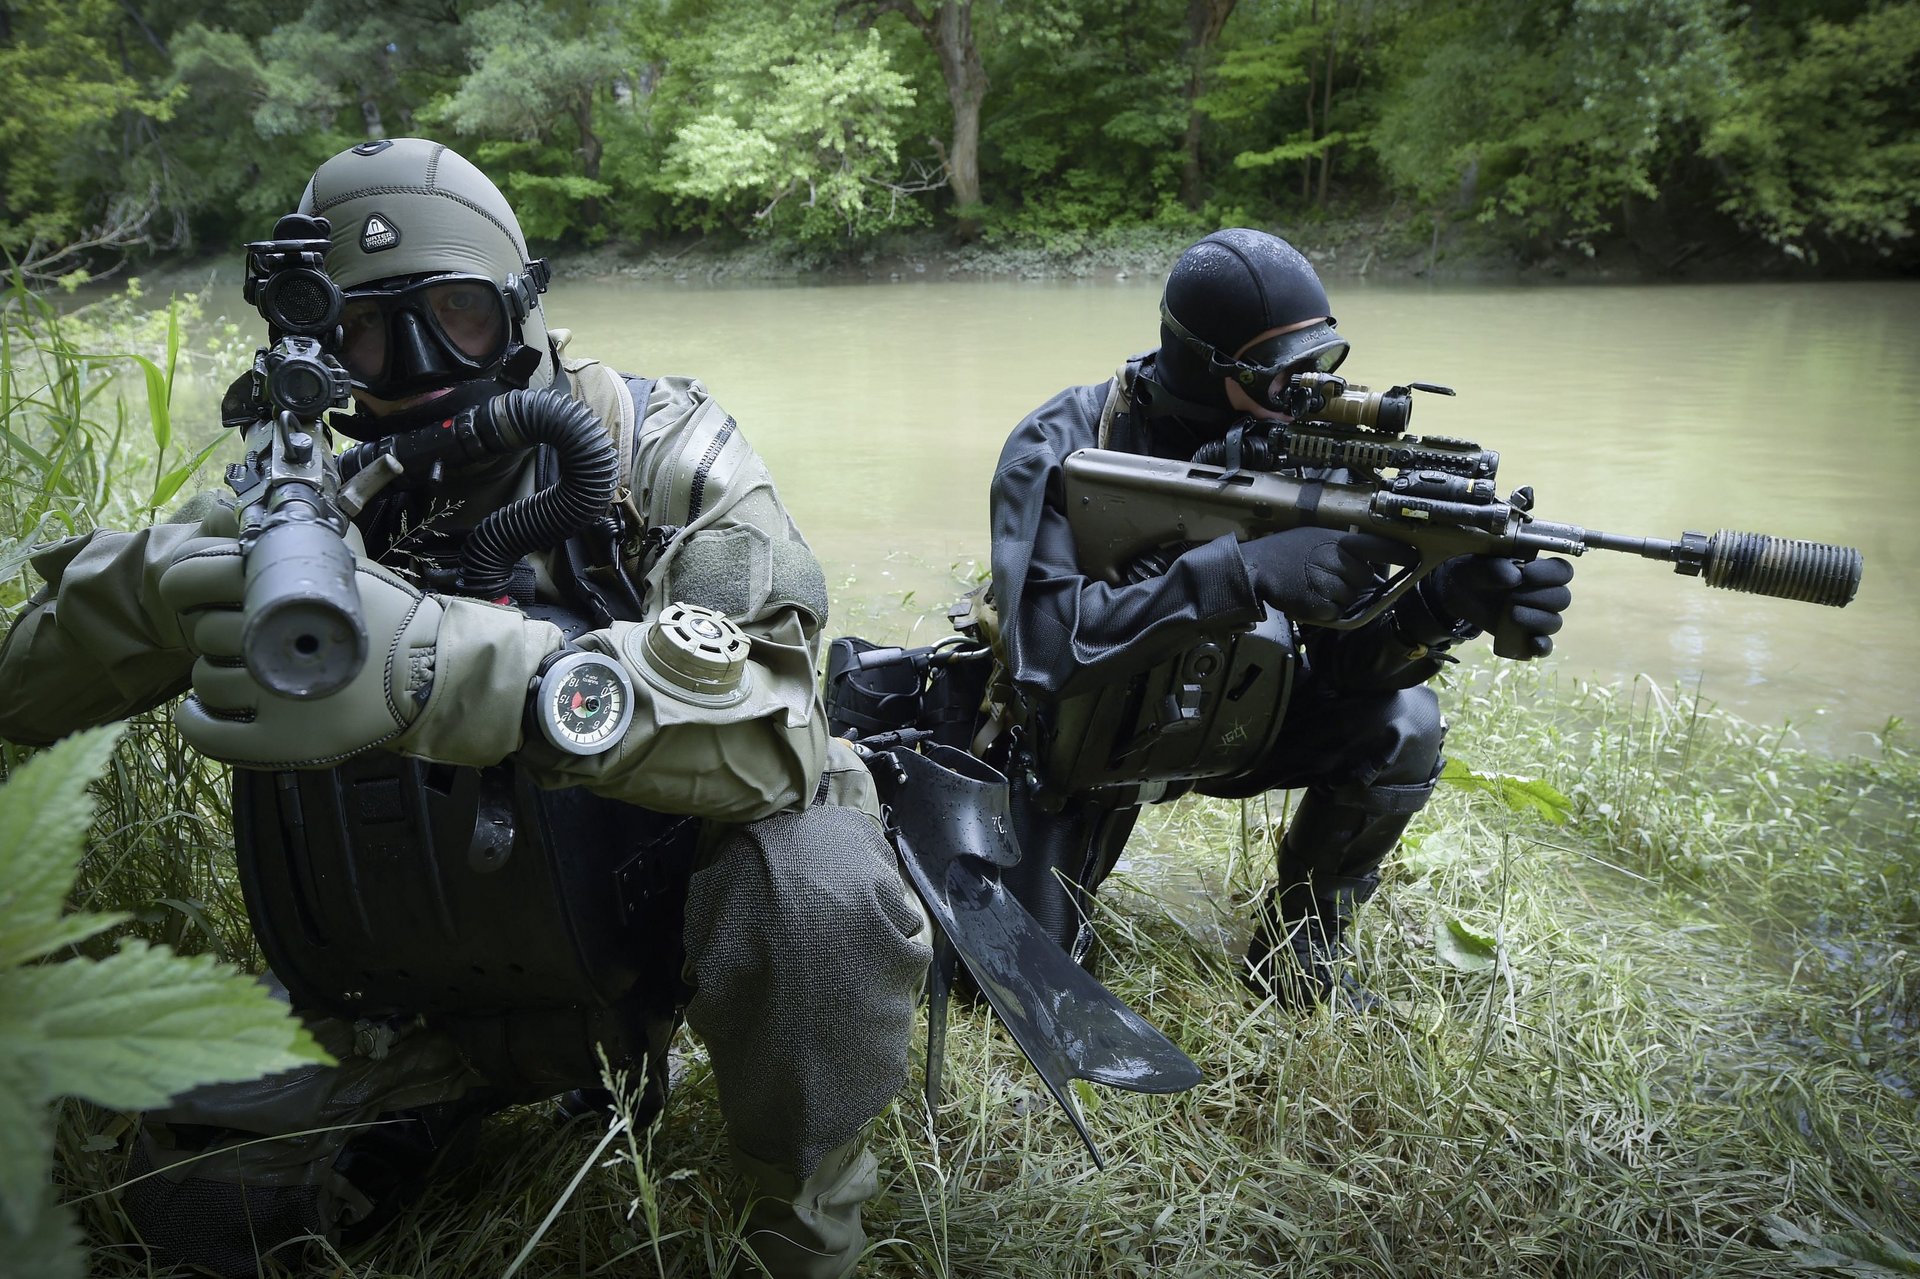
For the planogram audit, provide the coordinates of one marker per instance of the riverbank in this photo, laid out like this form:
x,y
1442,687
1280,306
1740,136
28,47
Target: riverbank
x,y
883,406
1390,245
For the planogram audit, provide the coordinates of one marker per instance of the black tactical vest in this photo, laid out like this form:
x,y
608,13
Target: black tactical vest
x,y
1212,711
532,922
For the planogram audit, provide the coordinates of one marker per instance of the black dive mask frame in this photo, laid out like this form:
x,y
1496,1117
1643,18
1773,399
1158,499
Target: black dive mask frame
x,y
1264,371
407,302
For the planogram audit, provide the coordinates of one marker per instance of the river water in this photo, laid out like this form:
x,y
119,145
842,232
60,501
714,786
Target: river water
x,y
1791,409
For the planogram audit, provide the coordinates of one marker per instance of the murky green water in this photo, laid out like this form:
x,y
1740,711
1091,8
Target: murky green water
x,y
1787,409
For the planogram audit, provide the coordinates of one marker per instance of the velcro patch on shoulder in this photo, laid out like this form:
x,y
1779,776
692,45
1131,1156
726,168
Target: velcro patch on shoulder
x,y
729,570
798,578
745,572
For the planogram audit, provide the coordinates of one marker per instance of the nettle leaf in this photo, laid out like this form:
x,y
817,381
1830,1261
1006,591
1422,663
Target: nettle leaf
x,y
44,814
34,940
1517,793
1844,1252
26,1140
132,1030
46,1245
1465,947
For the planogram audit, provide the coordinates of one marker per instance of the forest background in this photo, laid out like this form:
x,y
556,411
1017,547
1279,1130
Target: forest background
x,y
1659,135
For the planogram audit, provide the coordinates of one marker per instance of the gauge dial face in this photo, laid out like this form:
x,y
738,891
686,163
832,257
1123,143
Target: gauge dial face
x,y
585,703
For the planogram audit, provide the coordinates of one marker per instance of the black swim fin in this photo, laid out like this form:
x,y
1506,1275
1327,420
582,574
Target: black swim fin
x,y
947,812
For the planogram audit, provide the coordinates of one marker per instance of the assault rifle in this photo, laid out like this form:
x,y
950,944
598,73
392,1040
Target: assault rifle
x,y
1344,462
303,635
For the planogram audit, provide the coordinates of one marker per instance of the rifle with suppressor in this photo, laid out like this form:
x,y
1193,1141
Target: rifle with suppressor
x,y
1130,514
303,634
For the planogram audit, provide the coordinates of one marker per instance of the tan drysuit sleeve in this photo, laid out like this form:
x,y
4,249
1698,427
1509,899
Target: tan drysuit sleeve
x,y
95,644
733,548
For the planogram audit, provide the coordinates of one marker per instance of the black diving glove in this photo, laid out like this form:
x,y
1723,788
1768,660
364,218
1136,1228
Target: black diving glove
x,y
1315,574
1527,597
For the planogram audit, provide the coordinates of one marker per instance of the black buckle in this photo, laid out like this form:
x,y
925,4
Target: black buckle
x,y
525,287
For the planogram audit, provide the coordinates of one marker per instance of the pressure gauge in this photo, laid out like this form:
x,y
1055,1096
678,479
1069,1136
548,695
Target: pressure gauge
x,y
583,703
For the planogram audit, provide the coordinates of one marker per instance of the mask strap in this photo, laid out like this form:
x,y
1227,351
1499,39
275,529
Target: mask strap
x,y
524,287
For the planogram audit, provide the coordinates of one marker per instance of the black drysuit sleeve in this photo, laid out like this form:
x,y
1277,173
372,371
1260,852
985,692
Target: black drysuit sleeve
x,y
1064,632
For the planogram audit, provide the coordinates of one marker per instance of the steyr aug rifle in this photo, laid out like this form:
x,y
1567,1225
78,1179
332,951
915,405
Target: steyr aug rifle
x,y
303,635
1346,462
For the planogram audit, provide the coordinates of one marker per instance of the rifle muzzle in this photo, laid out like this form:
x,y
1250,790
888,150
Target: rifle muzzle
x,y
1790,569
304,635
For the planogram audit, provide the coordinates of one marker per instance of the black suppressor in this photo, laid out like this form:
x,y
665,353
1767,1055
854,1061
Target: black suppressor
x,y
1784,567
304,637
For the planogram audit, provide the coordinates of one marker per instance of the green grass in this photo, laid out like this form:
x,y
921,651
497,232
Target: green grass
x,y
1693,1041
1688,1050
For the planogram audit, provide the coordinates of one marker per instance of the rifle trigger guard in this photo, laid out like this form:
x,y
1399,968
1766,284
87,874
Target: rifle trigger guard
x,y
1382,597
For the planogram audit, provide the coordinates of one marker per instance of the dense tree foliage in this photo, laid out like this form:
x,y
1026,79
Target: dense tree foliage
x,y
1556,126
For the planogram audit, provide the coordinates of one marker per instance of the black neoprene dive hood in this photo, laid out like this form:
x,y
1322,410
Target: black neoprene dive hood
x,y
1227,288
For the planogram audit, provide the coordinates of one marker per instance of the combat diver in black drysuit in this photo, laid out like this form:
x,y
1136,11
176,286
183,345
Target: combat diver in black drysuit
x,y
1360,734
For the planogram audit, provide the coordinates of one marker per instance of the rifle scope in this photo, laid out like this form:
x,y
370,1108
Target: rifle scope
x,y
1330,398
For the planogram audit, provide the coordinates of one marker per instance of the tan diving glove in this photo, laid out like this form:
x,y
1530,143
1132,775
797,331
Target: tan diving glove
x,y
445,678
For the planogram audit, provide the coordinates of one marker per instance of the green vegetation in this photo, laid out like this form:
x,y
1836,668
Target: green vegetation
x,y
125,1031
76,452
1670,1037
1650,980
121,1028
1677,129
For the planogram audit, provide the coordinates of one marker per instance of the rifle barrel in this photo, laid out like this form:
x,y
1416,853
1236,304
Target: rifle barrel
x,y
1756,563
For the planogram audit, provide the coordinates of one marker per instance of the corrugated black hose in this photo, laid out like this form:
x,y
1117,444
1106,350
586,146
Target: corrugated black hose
x,y
518,420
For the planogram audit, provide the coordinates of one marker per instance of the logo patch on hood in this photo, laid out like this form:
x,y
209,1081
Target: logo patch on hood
x,y
379,233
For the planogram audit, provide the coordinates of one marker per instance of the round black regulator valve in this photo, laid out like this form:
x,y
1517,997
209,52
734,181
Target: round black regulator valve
x,y
696,654
582,703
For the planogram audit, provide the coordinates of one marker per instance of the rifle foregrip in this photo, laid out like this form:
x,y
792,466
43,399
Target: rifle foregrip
x,y
1787,568
304,636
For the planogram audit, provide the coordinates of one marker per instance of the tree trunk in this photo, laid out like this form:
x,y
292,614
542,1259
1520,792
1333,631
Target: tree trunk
x,y
590,152
131,12
951,31
370,114
1205,20
1326,116
1306,163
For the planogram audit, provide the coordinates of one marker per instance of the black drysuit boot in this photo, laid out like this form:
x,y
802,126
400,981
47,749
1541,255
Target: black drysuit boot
x,y
1328,863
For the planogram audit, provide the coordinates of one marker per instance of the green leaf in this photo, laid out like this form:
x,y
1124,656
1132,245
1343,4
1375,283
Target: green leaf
x,y
132,1030
1847,1252
26,1141
45,1245
31,941
1290,152
1465,947
167,485
44,815
159,408
1517,793
1089,1099
173,348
